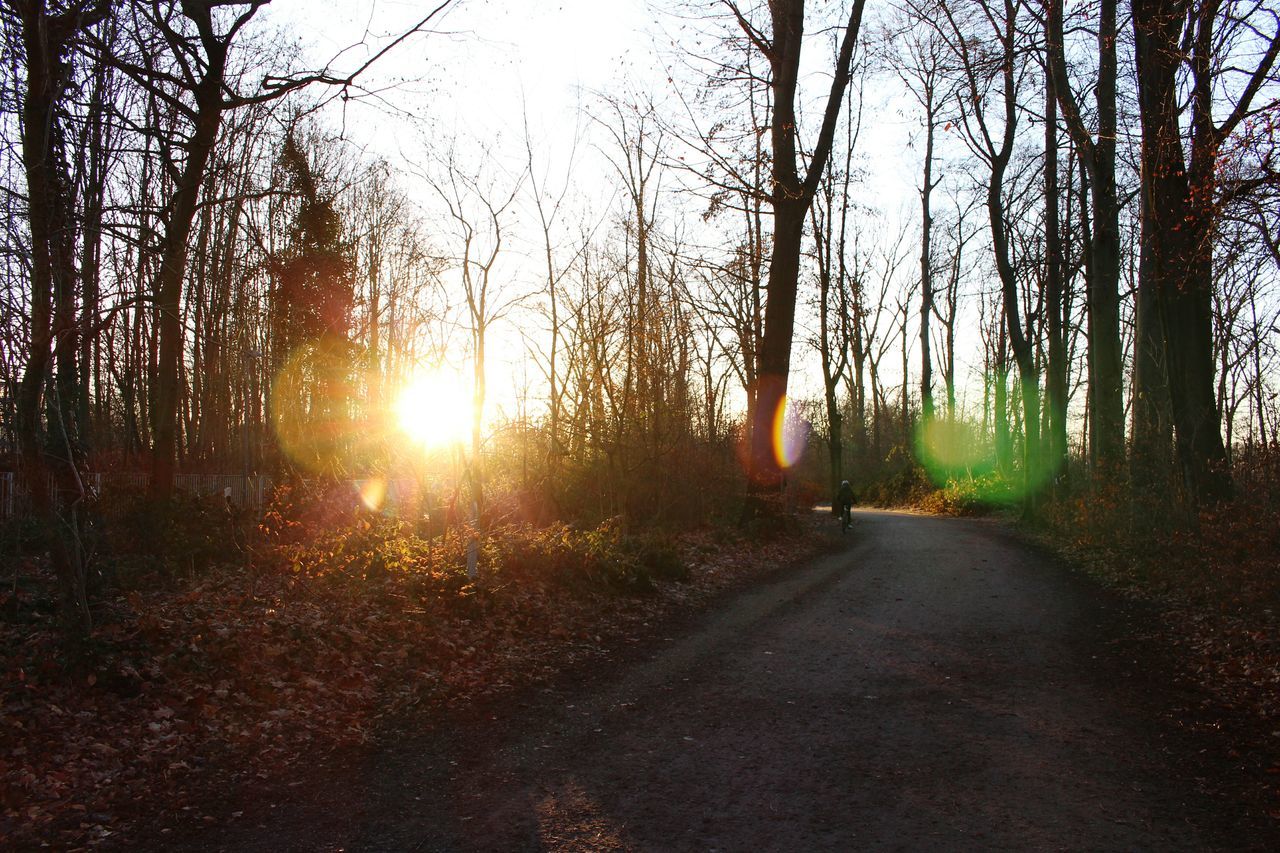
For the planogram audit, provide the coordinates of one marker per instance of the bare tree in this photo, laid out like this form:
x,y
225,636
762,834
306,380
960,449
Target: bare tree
x,y
988,47
49,42
781,42
549,203
917,58
479,208
1097,153
1230,51
1056,361
200,83
946,308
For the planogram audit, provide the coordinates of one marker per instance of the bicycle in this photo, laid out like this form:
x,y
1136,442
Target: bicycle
x,y
846,518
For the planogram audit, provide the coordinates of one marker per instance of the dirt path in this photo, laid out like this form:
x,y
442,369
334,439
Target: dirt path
x,y
933,685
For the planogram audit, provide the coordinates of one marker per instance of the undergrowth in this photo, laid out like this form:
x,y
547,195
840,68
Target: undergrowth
x,y
1213,578
224,645
971,496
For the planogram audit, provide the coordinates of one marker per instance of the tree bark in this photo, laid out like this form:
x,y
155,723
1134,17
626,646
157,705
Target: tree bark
x,y
1106,368
1151,452
47,40
926,267
1056,373
1177,222
167,287
791,197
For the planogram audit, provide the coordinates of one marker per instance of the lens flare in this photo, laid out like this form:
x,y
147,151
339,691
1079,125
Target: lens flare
x,y
314,407
373,493
950,449
962,459
790,435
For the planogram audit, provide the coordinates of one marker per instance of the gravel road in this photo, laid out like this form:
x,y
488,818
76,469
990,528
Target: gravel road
x,y
934,684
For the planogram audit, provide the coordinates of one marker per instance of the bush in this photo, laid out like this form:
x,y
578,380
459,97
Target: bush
x,y
971,496
806,494
565,556
557,553
767,516
299,512
140,535
906,486
658,558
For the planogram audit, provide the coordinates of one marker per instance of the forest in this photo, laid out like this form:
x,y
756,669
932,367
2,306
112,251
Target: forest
x,y
1017,257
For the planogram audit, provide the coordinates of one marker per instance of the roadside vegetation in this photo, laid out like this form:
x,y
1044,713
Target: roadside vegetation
x,y
1212,578
248,646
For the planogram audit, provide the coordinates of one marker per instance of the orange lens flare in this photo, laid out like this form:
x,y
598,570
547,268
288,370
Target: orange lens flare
x,y
373,493
789,435
328,424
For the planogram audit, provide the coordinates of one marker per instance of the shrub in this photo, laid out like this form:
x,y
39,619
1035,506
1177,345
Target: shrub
x,y
971,496
140,535
659,558
563,555
806,494
905,486
300,511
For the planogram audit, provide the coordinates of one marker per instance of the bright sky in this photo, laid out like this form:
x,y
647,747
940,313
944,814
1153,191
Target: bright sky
x,y
490,61
486,58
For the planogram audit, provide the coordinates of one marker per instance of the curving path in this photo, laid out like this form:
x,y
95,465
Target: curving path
x,y
934,684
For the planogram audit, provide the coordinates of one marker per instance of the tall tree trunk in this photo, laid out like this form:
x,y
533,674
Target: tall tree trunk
x,y
1000,405
167,287
1259,389
1056,378
833,351
1107,390
1177,225
47,40
926,270
791,197
1106,368
1018,342
90,391
775,344
859,378
906,377
1151,453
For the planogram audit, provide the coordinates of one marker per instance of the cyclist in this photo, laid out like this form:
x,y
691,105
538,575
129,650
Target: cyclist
x,y
844,500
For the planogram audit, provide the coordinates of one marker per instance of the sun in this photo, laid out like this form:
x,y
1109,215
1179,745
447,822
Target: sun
x,y
434,409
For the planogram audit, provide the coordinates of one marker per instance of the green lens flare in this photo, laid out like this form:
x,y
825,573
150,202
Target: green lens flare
x,y
961,458
950,449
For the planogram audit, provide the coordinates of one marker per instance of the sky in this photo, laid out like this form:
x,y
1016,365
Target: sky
x,y
490,63
485,60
